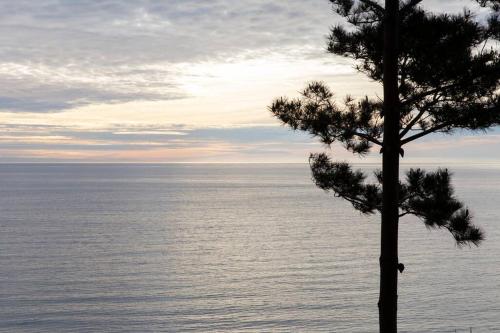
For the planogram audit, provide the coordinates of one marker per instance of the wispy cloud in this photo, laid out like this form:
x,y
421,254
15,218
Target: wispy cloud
x,y
56,55
164,81
147,144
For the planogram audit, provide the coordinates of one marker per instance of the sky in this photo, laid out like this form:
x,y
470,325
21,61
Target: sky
x,y
178,81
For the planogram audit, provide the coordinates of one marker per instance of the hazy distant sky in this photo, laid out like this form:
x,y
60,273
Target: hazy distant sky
x,y
174,81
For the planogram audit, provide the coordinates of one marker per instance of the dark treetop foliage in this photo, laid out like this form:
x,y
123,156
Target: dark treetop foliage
x,y
449,70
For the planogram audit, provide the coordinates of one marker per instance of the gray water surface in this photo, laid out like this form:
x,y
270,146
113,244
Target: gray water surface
x,y
227,248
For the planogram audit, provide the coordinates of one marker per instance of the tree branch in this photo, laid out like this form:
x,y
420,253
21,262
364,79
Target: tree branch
x,y
411,123
410,4
407,212
369,138
354,200
423,133
417,97
374,5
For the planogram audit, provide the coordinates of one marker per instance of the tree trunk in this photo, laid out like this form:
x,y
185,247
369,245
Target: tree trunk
x,y
390,173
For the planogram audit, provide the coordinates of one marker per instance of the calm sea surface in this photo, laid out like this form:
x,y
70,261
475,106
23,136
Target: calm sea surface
x,y
227,248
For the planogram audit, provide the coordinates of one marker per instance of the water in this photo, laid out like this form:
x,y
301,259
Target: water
x,y
226,248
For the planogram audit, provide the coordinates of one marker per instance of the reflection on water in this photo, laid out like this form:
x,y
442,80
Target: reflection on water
x,y
226,248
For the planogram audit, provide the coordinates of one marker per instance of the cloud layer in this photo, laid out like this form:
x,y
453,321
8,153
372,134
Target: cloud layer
x,y
176,80
57,55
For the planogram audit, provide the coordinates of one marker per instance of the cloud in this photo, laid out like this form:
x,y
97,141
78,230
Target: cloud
x,y
35,87
57,55
183,143
178,80
177,135
140,143
153,31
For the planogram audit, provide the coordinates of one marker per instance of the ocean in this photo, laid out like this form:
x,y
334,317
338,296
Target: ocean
x,y
228,248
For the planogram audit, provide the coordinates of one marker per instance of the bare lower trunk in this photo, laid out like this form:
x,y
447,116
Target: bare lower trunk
x,y
390,173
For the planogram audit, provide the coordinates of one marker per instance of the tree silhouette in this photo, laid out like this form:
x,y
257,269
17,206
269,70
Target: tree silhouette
x,y
440,72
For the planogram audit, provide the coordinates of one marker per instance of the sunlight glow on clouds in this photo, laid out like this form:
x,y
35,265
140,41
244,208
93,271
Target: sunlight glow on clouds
x,y
164,81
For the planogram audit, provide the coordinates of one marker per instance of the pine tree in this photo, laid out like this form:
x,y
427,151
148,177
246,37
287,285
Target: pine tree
x,y
440,73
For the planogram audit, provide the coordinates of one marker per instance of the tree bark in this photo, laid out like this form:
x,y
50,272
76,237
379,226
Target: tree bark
x,y
390,174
